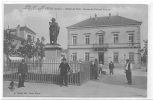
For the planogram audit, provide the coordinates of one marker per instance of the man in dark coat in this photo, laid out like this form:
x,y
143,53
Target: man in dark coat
x,y
22,70
128,71
92,65
64,69
111,66
96,69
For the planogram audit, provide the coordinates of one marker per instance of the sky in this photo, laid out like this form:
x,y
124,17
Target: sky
x,y
37,16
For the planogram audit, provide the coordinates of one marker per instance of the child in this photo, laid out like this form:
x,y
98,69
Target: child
x,y
100,67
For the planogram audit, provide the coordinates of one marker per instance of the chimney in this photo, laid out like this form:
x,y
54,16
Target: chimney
x,y
95,16
18,30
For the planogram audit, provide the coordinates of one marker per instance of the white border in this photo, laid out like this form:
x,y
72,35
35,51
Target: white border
x,y
150,34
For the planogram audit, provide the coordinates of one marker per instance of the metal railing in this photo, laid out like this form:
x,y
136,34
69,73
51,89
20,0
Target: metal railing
x,y
100,45
48,72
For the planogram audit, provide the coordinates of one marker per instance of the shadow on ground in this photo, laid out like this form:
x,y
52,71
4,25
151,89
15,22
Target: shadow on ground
x,y
139,82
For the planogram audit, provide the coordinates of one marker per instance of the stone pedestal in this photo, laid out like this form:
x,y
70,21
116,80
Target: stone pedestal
x,y
52,52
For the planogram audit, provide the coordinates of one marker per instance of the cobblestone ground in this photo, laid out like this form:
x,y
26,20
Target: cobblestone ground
x,y
106,86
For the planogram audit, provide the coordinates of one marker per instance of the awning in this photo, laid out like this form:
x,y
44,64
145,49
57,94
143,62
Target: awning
x,y
16,58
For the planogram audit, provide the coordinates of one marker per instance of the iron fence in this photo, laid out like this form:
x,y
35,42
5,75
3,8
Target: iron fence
x,y
48,72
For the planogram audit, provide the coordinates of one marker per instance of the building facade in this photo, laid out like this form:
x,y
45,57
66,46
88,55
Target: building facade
x,y
109,38
19,34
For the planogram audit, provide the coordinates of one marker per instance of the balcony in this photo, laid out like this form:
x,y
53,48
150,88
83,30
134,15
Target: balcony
x,y
104,47
100,47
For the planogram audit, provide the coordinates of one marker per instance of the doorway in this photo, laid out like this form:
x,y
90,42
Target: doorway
x,y
101,57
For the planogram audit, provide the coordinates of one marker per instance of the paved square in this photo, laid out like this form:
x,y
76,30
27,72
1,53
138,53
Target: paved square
x,y
106,86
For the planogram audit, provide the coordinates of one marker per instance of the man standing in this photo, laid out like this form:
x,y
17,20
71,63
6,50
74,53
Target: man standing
x,y
92,65
22,70
128,71
64,69
111,66
100,67
96,69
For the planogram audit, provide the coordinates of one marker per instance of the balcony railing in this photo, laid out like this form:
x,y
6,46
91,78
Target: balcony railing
x,y
106,46
98,47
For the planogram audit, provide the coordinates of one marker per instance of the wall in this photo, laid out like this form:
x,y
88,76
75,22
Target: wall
x,y
123,35
108,55
22,34
81,48
26,33
81,54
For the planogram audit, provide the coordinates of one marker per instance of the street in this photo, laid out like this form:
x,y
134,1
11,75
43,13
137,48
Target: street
x,y
106,86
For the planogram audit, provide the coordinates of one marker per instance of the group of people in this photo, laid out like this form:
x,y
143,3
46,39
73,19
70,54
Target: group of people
x,y
96,69
64,67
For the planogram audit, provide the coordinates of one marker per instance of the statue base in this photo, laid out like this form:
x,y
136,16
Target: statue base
x,y
53,52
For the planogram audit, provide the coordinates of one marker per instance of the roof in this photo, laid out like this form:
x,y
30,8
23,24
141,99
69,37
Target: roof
x,y
27,29
105,21
24,28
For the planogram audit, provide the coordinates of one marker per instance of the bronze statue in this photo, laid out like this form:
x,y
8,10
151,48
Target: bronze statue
x,y
54,31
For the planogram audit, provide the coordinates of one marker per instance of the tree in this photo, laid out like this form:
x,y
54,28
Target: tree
x,y
144,52
40,50
9,47
27,49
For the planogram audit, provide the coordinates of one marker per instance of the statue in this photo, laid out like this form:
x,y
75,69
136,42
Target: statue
x,y
54,31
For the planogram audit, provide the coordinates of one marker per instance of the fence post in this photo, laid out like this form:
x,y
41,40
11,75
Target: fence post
x,y
89,70
80,75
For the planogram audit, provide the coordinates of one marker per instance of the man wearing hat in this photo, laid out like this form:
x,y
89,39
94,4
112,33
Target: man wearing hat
x,y
128,71
22,70
64,69
111,67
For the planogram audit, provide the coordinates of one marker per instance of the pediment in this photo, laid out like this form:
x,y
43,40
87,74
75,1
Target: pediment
x,y
100,32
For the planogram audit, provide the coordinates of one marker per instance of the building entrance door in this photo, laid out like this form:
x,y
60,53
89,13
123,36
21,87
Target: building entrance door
x,y
101,57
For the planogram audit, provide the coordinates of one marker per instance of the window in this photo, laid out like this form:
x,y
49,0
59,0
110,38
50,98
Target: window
x,y
13,40
130,38
33,38
115,57
87,56
101,39
74,56
29,37
116,40
87,39
131,57
74,40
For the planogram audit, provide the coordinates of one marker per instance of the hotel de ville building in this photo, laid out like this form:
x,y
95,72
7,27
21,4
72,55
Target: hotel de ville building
x,y
108,38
